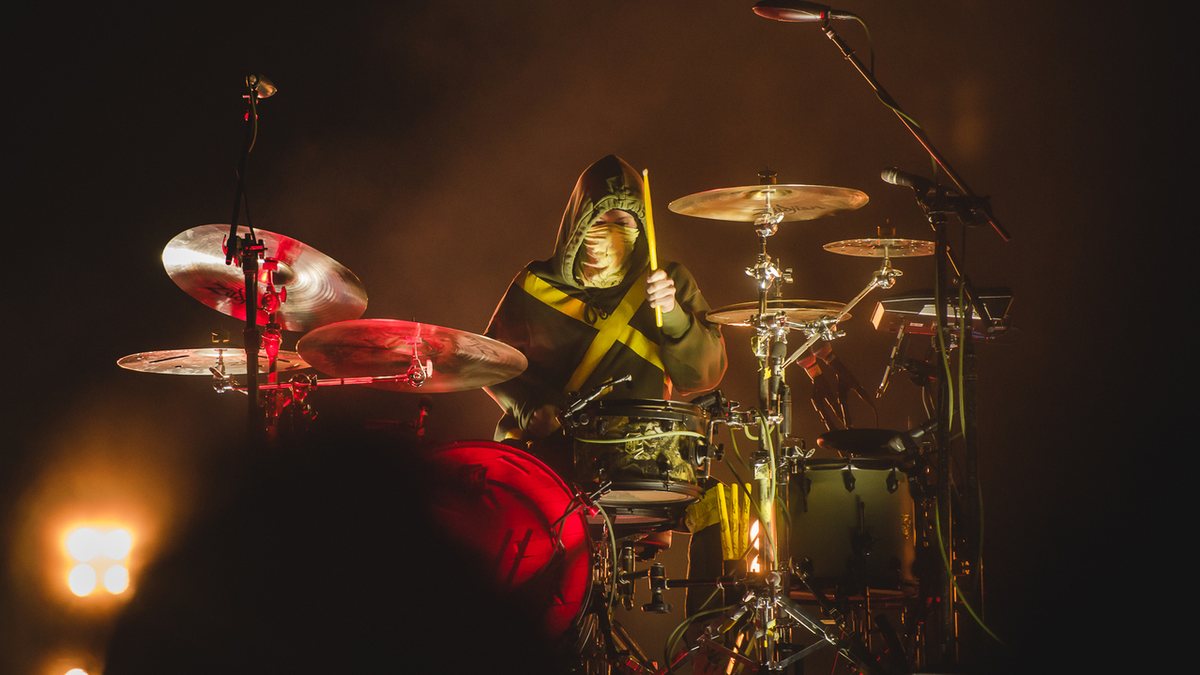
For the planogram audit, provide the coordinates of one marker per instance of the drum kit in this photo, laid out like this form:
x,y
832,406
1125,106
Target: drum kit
x,y
847,525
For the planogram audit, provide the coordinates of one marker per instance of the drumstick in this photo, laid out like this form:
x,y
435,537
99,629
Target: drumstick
x,y
650,236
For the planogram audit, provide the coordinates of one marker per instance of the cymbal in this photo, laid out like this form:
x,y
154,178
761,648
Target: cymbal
x,y
319,289
746,204
364,347
861,442
798,311
881,248
198,361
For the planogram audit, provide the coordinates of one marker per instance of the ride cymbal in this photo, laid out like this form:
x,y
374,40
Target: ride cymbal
x,y
881,248
787,202
228,360
798,311
319,289
454,360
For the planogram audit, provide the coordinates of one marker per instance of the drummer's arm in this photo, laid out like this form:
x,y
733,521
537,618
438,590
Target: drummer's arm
x,y
693,350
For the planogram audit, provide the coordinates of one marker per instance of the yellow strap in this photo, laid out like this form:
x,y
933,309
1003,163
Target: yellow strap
x,y
610,330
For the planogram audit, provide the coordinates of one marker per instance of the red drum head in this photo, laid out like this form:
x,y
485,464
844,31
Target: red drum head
x,y
508,506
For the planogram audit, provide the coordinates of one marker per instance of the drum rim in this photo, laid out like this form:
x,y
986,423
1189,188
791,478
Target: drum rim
x,y
650,404
856,464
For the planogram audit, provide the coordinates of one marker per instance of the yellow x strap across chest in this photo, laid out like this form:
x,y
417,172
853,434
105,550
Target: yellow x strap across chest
x,y
610,330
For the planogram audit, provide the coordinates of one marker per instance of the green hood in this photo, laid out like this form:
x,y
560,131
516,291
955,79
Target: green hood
x,y
609,183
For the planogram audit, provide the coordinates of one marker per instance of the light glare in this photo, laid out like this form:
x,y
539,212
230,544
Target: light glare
x,y
84,543
116,579
117,544
82,579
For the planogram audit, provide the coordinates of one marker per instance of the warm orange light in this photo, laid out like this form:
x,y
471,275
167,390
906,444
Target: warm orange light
x,y
101,556
82,579
116,579
76,671
84,543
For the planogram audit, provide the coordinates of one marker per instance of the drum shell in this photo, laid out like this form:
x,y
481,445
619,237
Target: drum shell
x,y
523,522
651,471
853,537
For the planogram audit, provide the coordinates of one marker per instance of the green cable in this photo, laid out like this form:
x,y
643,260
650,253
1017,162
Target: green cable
x,y
677,634
937,522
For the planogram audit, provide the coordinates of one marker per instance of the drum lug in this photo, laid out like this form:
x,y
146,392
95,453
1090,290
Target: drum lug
x,y
848,479
893,481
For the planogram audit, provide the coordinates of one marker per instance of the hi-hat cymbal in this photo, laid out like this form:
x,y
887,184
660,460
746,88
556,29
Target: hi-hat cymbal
x,y
229,360
746,204
881,248
798,311
319,289
457,360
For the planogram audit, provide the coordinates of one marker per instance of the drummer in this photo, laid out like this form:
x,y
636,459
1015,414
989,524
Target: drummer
x,y
586,315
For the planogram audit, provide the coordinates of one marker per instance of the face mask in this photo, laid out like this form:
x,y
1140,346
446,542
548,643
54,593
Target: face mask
x,y
606,254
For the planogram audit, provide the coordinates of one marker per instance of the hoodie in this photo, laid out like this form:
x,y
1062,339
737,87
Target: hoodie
x,y
575,338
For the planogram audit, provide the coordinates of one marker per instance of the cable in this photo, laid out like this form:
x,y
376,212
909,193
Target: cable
x,y
937,523
677,634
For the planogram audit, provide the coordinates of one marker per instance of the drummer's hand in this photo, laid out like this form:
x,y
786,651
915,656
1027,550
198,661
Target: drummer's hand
x,y
660,290
543,422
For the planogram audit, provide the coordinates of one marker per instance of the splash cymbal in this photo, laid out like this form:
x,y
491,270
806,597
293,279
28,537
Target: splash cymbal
x,y
798,311
747,204
455,360
319,289
229,360
881,248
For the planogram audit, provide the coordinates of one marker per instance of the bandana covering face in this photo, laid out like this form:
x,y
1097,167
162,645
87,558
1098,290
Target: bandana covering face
x,y
605,254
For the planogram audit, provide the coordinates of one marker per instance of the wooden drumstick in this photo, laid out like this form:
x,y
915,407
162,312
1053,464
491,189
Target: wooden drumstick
x,y
650,236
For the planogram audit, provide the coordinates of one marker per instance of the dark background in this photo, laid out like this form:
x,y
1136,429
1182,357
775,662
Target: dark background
x,y
430,148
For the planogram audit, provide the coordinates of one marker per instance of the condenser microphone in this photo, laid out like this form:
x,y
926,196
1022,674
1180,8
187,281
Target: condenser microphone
x,y
263,88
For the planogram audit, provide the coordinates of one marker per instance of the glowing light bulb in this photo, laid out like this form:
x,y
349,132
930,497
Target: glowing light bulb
x,y
84,543
82,579
116,579
117,544
76,671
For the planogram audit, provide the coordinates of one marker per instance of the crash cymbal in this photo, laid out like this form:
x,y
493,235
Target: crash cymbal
x,y
198,361
881,248
746,204
860,442
798,311
456,360
319,289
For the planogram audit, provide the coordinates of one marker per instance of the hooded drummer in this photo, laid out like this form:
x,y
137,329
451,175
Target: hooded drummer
x,y
586,315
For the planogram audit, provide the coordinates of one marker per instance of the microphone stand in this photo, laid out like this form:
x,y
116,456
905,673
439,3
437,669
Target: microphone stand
x,y
971,209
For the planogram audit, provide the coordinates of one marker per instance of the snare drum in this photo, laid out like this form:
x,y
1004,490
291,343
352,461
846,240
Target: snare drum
x,y
521,518
852,524
648,449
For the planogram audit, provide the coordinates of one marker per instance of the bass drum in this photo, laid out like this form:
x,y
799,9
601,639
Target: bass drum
x,y
852,524
522,520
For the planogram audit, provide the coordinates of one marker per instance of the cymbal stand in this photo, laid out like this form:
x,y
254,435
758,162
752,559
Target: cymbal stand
x,y
766,611
248,250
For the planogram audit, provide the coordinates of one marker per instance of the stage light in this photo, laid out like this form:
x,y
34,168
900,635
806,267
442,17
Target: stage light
x,y
84,543
100,556
117,544
82,579
116,579
754,566
76,671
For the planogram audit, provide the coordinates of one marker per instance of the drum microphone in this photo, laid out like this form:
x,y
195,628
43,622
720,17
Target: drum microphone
x,y
902,442
894,176
901,337
263,88
792,11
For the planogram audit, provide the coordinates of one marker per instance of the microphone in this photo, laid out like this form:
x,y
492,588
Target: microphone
x,y
793,11
903,441
901,337
263,88
895,176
